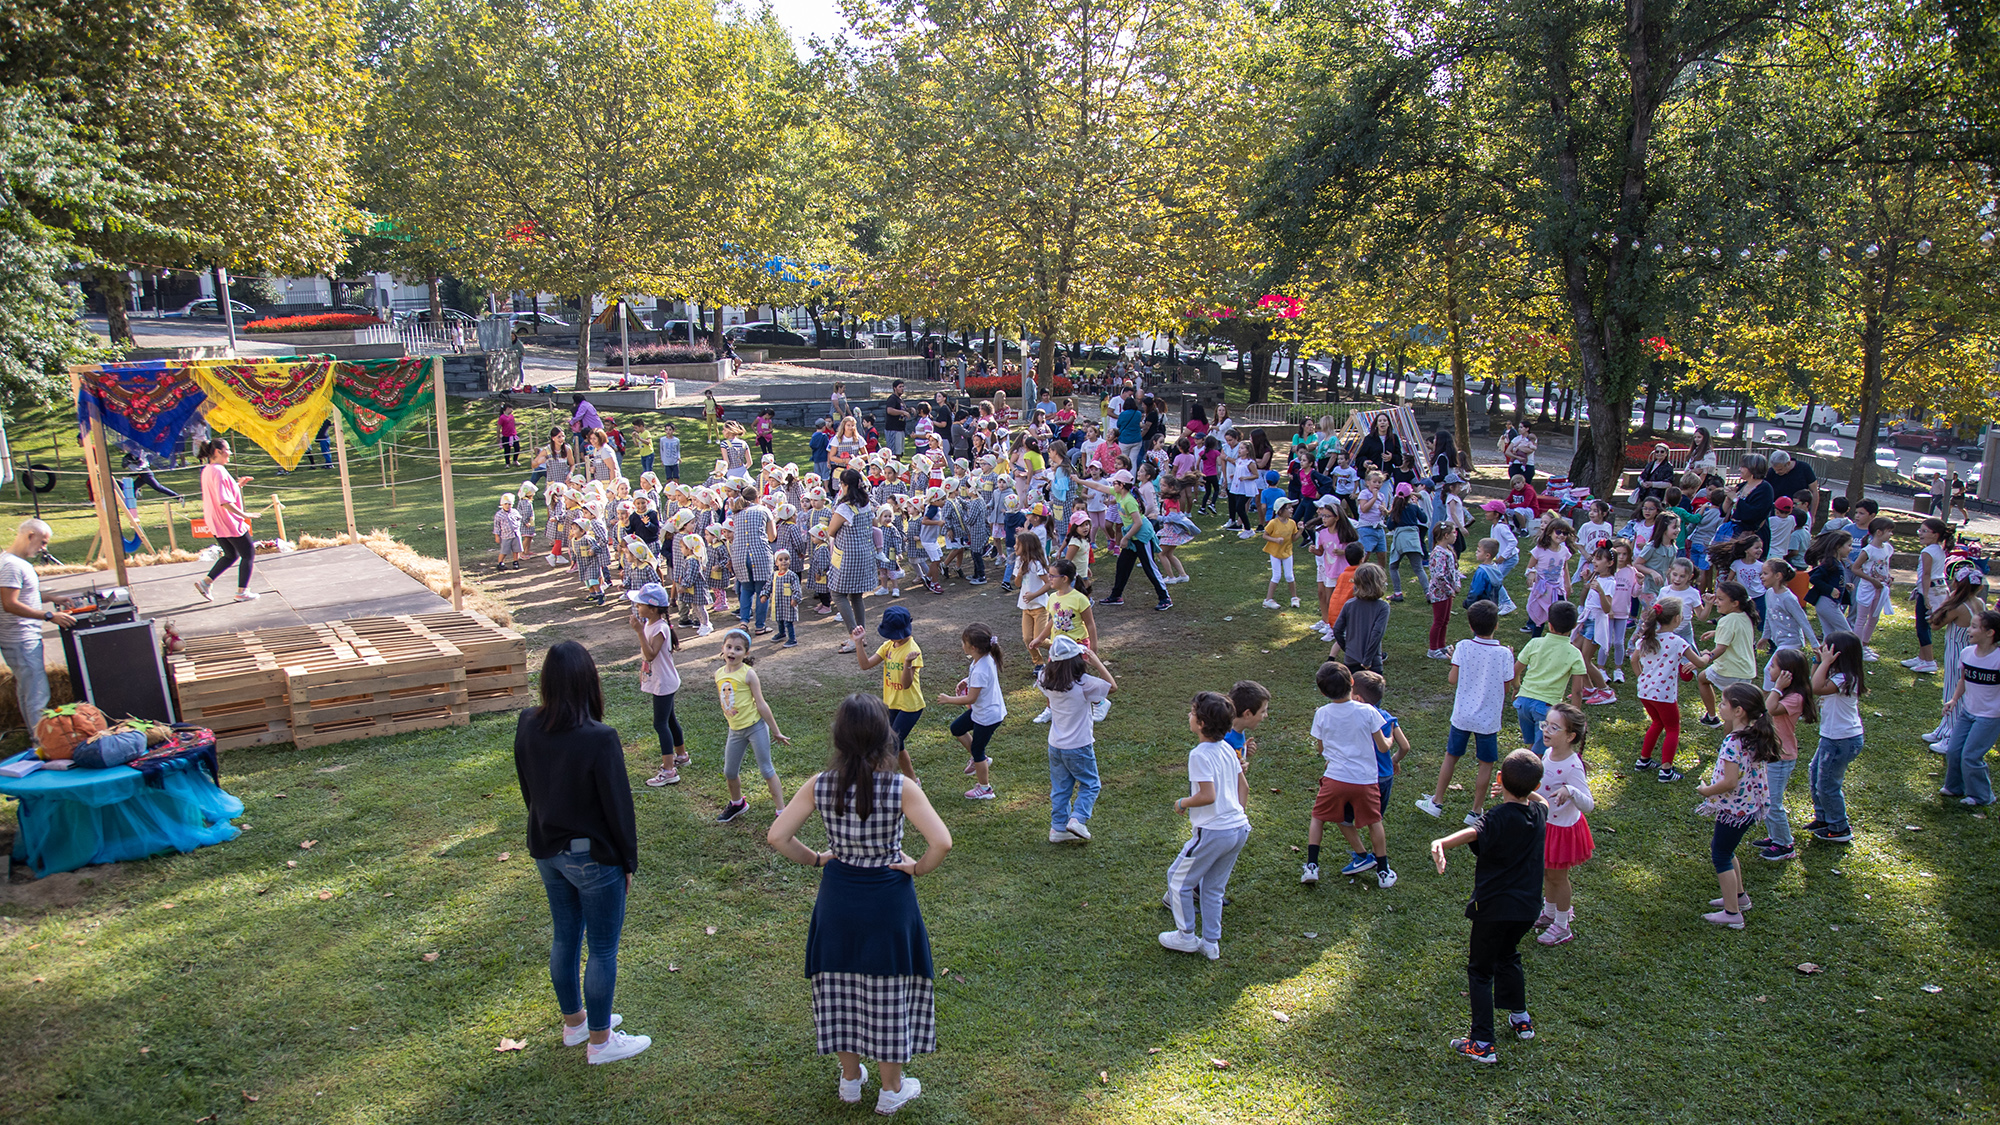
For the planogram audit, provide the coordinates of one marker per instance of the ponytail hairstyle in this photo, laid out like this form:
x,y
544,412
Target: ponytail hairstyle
x,y
1600,512
1059,676
863,744
1758,738
1663,535
1782,569
1574,722
1829,545
1547,539
981,638
207,449
1736,592
1794,661
1848,662
1397,505
1944,532
1966,582
1663,617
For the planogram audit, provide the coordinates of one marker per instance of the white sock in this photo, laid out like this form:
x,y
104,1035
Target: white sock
x,y
1563,917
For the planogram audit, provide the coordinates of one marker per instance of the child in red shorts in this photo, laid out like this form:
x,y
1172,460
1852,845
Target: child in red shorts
x,y
1348,734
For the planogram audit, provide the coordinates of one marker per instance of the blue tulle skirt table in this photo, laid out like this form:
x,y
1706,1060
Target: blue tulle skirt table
x,y
73,818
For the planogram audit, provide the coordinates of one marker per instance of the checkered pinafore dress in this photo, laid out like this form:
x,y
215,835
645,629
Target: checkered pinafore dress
x,y
856,543
867,953
748,549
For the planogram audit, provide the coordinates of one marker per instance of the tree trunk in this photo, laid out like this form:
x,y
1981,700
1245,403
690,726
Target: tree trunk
x,y
437,303
819,327
1548,395
1652,396
909,337
1260,374
117,286
1045,362
583,327
1520,396
1806,423
715,340
1872,334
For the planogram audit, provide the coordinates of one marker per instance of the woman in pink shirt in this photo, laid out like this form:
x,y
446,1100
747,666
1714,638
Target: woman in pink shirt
x,y
222,507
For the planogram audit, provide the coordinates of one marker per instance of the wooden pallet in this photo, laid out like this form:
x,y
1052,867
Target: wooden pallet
x,y
496,659
380,680
236,688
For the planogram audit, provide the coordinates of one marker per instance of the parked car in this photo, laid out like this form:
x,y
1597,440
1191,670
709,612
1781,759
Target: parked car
x,y
1775,436
1723,410
206,308
1823,417
451,316
530,319
1852,429
772,334
1888,458
1931,466
1927,441
1723,429
681,331
1826,447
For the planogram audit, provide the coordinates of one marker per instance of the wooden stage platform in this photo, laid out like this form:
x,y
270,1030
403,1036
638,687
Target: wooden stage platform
x,y
339,645
299,588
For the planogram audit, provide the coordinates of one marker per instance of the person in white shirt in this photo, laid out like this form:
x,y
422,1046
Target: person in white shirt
x,y
979,692
1071,689
1482,670
1215,807
1348,734
22,619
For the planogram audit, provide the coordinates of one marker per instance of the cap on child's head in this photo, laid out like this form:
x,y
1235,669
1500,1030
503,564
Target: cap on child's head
x,y
1495,506
652,593
1270,476
1521,772
1403,489
1283,502
1784,504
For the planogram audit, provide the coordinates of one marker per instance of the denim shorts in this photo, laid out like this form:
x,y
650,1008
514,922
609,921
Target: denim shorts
x,y
1486,747
1374,539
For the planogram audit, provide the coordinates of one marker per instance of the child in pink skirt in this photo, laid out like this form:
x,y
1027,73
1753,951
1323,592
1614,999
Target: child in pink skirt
x,y
1548,570
1567,843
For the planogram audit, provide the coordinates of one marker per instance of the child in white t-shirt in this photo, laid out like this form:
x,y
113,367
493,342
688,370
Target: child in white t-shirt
x,y
1215,807
1348,734
979,693
1482,669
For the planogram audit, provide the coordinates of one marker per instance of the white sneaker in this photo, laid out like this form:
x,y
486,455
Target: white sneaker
x,y
850,1092
1309,873
1271,603
246,595
1471,819
1181,941
1923,667
1211,950
1076,828
1295,603
1430,807
1060,836
580,1034
1045,716
889,1101
1618,675
201,587
1913,661
1099,710
1870,655
1385,878
619,1046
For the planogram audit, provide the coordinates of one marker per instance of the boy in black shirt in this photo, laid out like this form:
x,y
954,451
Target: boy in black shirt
x,y
1506,897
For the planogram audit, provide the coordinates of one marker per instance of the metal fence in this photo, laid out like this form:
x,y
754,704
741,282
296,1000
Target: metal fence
x,y
420,339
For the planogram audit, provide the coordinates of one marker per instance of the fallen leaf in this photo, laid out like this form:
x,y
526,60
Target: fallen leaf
x,y
1265,651
1835,929
250,1097
388,894
1878,997
307,844
279,796
1456,787
1275,789
166,906
1808,968
1979,816
1104,1077
1219,1064
1913,828
1762,999
38,980
1926,874
1295,847
210,1117
511,1045
291,863
711,931
1154,1050
1229,618
145,1050
1932,988
324,895
37,945
505,856
430,956
1281,1017
958,978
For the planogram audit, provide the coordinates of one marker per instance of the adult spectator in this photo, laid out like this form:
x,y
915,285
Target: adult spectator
x,y
1655,476
752,533
1444,454
585,841
1520,453
1755,500
896,424
1155,425
1380,449
1131,428
931,360
1790,477
847,444
867,952
851,530
21,627
1702,460
554,460
1223,422
585,419
222,508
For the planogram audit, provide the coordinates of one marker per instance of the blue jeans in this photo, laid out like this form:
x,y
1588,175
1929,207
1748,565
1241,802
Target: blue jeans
x,y
1965,756
746,597
1777,819
646,462
585,898
1828,774
1072,770
1531,712
31,679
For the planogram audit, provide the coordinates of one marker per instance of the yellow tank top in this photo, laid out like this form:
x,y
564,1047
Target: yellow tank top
x,y
739,706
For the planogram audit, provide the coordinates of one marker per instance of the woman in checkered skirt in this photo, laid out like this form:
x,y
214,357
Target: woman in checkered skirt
x,y
867,954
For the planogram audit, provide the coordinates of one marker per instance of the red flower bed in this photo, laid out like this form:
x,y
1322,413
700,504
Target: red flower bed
x,y
326,322
987,384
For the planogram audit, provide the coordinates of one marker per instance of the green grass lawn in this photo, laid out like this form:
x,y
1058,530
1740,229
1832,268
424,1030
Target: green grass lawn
x,y
182,987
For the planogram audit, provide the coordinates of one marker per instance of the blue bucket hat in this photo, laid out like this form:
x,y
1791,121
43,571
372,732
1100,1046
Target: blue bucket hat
x,y
652,593
895,624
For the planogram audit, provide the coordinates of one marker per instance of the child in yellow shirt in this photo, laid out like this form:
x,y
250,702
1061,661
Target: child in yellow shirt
x,y
902,691
1279,537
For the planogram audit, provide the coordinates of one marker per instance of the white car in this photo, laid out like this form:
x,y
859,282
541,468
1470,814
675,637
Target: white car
x,y
1777,437
1724,430
1853,430
1826,447
1888,459
1930,466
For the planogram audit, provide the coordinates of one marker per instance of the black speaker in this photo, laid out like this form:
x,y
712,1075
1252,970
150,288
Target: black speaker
x,y
117,668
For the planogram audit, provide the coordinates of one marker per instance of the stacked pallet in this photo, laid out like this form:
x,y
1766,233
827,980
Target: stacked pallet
x,y
314,685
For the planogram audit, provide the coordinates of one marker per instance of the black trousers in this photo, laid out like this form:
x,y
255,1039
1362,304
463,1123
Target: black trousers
x,y
1493,973
1141,554
235,549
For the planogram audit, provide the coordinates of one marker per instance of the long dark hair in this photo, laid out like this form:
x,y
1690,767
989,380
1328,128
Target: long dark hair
x,y
1445,447
207,449
1738,593
571,692
1793,661
863,743
1758,737
1848,661
1260,446
1061,675
853,492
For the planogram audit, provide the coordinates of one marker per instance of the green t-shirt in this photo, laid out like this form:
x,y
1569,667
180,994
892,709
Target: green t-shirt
x,y
1687,525
1551,660
1740,662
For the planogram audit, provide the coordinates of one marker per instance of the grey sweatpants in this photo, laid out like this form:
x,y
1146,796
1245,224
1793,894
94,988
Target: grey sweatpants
x,y
1202,868
755,736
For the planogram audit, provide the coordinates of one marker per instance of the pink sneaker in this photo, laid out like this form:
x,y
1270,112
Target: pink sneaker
x,y
1556,934
1724,918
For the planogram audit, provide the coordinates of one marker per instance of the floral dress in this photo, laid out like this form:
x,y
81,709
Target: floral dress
x,y
1445,578
1746,803
1548,568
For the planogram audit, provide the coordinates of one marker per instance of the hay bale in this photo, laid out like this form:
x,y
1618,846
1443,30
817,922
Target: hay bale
x,y
61,691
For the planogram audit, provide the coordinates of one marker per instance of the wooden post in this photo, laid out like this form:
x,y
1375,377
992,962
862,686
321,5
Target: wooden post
x,y
173,541
94,456
444,471
278,509
346,489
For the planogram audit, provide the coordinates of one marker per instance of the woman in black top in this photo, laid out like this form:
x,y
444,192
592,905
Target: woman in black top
x,y
1654,477
1444,454
584,839
1156,423
1755,500
1381,448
